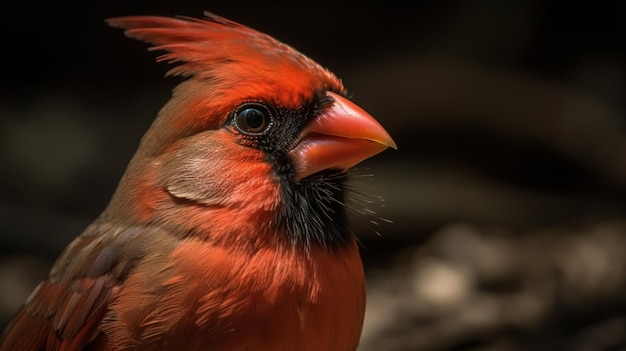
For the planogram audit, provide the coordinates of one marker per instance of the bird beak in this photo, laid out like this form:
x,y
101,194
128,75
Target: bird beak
x,y
339,138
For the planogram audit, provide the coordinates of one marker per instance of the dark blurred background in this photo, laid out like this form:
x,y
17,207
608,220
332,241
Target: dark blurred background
x,y
507,193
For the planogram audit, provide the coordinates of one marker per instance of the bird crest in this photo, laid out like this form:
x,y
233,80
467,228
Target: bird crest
x,y
217,48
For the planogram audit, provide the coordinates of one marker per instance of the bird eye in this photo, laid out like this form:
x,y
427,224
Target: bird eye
x,y
252,119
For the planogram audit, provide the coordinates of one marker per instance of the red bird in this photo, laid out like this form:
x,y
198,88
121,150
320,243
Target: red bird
x,y
228,229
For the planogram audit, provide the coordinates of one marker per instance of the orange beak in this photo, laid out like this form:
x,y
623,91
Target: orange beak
x,y
342,136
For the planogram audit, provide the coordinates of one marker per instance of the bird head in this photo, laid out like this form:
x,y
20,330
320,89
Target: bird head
x,y
257,136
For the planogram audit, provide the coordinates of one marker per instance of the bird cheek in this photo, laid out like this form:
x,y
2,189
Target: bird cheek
x,y
190,170
212,168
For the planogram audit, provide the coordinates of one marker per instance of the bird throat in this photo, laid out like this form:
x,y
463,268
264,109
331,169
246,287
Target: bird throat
x,y
313,210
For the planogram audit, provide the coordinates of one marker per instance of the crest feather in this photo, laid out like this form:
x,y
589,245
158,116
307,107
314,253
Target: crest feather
x,y
203,44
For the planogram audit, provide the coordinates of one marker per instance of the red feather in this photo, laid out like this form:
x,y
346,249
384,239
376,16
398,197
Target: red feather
x,y
221,49
195,251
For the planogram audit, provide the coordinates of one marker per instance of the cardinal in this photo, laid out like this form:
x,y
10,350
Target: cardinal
x,y
228,230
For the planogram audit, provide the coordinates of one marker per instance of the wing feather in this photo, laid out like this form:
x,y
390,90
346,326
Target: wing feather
x,y
65,311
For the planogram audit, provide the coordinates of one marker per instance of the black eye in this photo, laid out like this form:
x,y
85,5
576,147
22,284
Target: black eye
x,y
252,119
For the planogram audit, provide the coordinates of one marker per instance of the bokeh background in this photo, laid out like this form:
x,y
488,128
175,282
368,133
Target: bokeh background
x,y
506,196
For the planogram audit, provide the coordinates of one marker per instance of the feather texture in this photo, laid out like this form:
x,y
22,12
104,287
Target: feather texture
x,y
212,241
